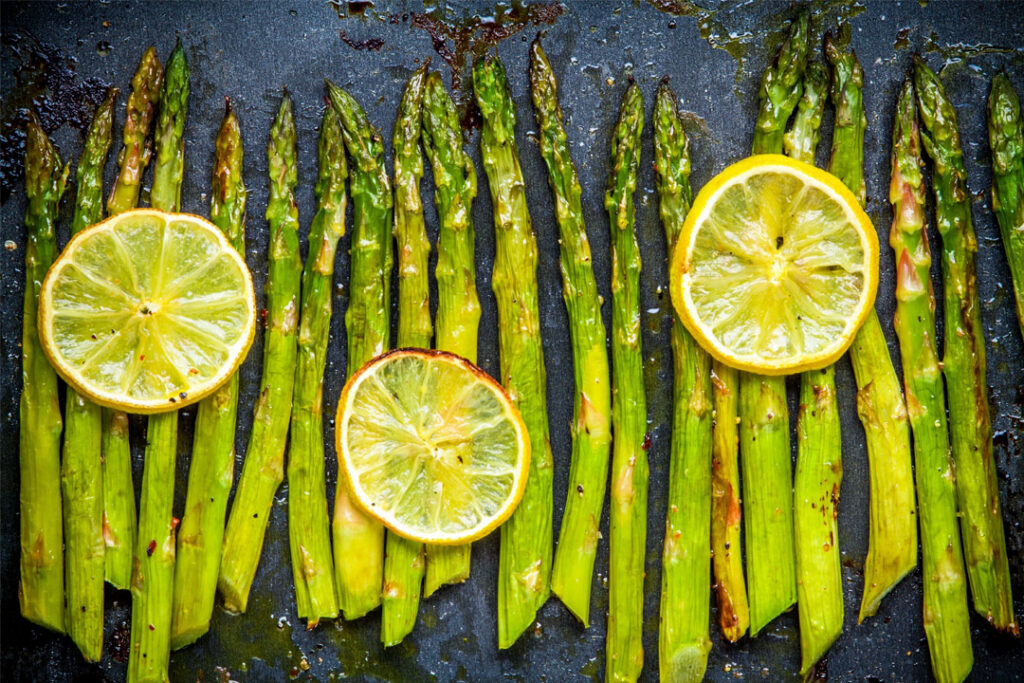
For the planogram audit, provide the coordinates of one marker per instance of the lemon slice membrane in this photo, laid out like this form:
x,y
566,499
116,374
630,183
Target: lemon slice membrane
x,y
431,446
147,311
776,267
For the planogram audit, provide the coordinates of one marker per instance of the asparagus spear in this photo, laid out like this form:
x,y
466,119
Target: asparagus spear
x,y
263,468
726,510
359,540
82,466
1006,139
524,567
169,134
153,568
153,578
213,446
781,88
573,571
764,416
404,561
136,152
628,509
458,309
801,141
977,486
946,617
89,176
308,530
819,469
41,591
415,328
684,641
119,520
892,540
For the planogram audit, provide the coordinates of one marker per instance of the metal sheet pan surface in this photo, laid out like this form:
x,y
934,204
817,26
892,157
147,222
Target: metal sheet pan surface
x,y
61,54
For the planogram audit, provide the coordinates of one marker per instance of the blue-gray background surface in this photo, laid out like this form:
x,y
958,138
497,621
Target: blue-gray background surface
x,y
248,51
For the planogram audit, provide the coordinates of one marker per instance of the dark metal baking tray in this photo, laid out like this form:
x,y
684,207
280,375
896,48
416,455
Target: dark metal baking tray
x,y
248,51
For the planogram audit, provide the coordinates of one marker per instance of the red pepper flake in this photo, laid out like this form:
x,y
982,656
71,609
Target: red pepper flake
x,y
150,548
142,356
174,523
647,441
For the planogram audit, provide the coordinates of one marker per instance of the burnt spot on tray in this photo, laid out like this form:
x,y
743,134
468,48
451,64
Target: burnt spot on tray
x,y
461,40
46,82
371,44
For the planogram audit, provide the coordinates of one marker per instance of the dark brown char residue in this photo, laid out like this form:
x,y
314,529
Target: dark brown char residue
x,y
371,44
45,80
455,40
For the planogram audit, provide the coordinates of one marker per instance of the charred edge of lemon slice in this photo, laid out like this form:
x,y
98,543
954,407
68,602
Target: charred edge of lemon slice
x,y
680,260
519,487
114,401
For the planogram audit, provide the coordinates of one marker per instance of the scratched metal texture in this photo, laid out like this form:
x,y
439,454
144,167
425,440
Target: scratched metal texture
x,y
248,51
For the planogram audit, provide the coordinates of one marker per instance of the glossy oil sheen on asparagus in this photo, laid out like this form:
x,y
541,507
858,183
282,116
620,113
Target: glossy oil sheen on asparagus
x,y
573,571
684,638
458,307
524,566
359,540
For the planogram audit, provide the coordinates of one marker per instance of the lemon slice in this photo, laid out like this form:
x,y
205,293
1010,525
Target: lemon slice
x,y
431,446
776,266
147,311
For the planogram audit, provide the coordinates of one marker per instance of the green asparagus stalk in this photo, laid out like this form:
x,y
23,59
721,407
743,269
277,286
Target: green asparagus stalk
x,y
1006,139
977,485
726,508
781,89
801,141
359,540
404,560
263,467
768,498
169,134
415,328
153,575
764,416
139,114
82,466
41,591
684,641
628,510
153,578
119,518
119,512
89,176
573,571
819,467
892,539
946,616
210,473
819,474
524,567
309,531
458,309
